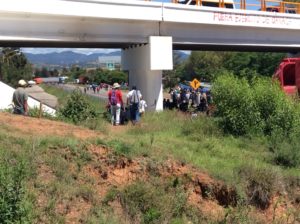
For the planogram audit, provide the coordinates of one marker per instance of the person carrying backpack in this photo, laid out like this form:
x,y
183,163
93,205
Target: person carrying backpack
x,y
133,100
115,102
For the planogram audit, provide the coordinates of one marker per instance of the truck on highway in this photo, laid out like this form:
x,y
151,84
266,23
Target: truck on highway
x,y
288,75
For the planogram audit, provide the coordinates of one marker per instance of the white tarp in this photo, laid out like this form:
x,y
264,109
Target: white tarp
x,y
6,94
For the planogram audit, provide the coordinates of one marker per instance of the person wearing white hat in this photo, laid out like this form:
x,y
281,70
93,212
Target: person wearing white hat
x,y
20,98
115,102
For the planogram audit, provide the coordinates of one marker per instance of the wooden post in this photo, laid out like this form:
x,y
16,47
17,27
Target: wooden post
x,y
41,110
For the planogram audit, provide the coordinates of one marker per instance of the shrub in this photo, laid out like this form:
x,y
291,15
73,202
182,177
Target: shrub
x,y
77,108
276,110
286,149
259,107
235,105
12,192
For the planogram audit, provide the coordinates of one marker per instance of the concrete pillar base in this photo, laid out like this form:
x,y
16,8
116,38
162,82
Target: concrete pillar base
x,y
145,64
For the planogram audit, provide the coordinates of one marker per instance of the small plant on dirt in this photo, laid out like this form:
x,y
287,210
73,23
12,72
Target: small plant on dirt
x,y
12,192
35,112
102,215
110,195
261,183
87,193
154,202
120,148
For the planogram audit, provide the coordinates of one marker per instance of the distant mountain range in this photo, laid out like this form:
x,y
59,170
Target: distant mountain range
x,y
66,58
69,58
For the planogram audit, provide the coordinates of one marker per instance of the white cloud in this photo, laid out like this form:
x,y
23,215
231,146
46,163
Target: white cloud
x,y
77,50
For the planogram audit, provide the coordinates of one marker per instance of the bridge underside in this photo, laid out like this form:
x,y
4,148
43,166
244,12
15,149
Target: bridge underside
x,y
176,46
147,32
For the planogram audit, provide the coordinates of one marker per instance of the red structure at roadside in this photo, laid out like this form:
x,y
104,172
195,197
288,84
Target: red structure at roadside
x,y
38,80
288,74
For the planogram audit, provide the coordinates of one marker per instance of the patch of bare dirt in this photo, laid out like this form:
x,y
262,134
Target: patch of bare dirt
x,y
106,170
119,171
73,210
43,127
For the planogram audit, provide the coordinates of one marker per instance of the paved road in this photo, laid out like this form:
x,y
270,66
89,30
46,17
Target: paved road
x,y
39,94
102,95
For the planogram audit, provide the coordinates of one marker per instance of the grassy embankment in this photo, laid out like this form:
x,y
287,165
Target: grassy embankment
x,y
245,163
201,143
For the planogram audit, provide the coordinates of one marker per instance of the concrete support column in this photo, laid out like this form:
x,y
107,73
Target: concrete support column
x,y
145,64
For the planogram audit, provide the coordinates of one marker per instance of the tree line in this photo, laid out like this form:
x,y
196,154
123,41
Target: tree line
x,y
207,65
203,65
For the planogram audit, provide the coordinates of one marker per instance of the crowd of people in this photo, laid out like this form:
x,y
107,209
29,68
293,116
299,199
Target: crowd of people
x,y
182,99
96,88
188,100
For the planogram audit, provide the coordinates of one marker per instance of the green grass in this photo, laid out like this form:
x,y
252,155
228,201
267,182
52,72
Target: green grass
x,y
201,143
63,95
246,163
99,105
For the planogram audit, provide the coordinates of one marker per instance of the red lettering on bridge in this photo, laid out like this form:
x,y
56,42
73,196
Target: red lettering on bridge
x,y
254,19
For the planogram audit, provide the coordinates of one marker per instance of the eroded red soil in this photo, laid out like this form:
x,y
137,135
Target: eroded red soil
x,y
106,170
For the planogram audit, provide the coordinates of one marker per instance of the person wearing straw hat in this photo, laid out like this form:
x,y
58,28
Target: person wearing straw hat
x,y
20,98
115,101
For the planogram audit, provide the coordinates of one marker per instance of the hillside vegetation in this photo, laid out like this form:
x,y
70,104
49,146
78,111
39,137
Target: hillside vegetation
x,y
168,169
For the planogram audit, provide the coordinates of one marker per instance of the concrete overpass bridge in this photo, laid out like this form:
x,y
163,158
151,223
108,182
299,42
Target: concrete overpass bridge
x,y
146,31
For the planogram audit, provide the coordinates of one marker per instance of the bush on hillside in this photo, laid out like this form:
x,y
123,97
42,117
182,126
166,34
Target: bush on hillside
x,y
236,106
276,110
261,106
77,108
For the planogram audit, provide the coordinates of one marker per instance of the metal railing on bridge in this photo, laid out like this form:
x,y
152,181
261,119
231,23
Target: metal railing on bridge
x,y
261,5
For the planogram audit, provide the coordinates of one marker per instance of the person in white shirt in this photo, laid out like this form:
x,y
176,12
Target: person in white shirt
x,y
133,100
143,106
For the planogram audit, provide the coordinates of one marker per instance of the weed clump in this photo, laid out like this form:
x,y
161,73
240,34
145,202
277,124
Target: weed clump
x,y
261,183
12,192
155,202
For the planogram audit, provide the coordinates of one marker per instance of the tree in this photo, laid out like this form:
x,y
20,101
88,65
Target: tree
x,y
204,65
14,66
171,77
245,63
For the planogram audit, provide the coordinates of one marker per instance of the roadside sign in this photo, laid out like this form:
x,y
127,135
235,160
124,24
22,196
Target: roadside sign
x,y
195,84
110,66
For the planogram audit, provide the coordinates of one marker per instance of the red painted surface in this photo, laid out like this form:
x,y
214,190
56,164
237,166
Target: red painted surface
x,y
288,74
38,80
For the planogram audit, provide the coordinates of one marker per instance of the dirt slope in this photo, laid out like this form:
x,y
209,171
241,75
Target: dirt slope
x,y
106,170
43,127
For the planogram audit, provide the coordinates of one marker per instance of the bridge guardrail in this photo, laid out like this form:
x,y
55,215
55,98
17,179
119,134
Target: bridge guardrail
x,y
261,5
